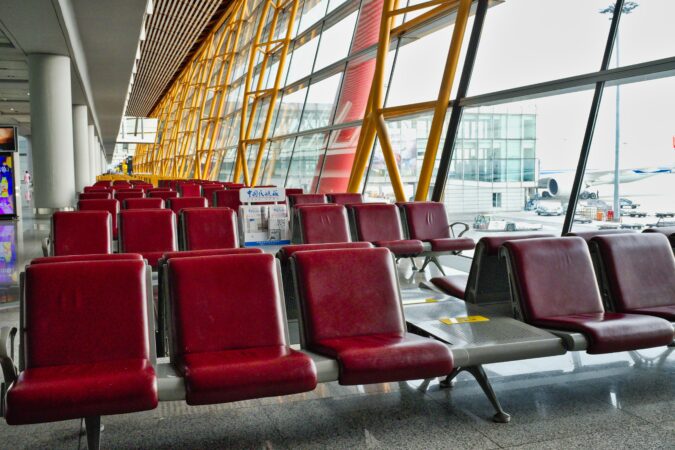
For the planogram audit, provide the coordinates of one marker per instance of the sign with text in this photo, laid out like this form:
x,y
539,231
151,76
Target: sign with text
x,y
262,195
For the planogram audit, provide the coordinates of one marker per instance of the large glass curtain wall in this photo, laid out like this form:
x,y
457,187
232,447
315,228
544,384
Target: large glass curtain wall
x,y
512,158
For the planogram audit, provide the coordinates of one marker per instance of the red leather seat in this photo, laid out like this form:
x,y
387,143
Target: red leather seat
x,y
123,195
227,199
150,232
95,195
209,191
381,225
321,224
81,232
208,228
189,190
344,198
104,183
176,204
555,284
637,273
284,255
164,195
454,285
229,341
212,252
94,257
361,324
87,343
668,231
487,280
305,199
292,191
112,206
588,235
121,184
428,222
88,189
143,203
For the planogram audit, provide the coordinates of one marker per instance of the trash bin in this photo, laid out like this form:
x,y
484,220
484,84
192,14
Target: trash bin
x,y
610,215
599,216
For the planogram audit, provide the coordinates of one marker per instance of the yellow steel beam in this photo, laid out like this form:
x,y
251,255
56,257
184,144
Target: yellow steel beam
x,y
441,108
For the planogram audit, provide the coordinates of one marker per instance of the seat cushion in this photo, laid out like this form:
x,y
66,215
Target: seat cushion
x,y
240,374
451,244
381,358
47,394
665,312
454,285
613,332
403,247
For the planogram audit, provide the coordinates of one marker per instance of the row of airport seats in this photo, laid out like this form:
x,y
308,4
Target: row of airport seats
x,y
150,232
407,229
96,358
615,288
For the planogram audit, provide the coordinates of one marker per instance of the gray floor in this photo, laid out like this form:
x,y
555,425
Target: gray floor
x,y
625,400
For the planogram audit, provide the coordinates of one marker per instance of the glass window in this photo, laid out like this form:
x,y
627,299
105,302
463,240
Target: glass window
x,y
419,67
645,153
646,32
304,171
502,184
320,102
278,157
335,42
531,41
312,12
302,61
290,111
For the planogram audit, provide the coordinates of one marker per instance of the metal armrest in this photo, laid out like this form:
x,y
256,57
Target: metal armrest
x,y
454,224
45,246
9,372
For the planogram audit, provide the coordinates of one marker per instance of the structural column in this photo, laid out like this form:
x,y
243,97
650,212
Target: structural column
x,y
92,150
52,130
81,147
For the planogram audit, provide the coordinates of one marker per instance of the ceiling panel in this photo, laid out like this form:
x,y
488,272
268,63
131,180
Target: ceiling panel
x,y
171,32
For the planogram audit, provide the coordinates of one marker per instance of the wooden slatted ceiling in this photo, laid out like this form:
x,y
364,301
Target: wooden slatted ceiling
x,y
171,33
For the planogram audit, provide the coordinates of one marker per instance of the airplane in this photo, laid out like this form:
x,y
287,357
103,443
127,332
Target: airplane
x,y
558,183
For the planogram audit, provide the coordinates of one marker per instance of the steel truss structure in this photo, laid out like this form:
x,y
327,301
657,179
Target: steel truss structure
x,y
222,106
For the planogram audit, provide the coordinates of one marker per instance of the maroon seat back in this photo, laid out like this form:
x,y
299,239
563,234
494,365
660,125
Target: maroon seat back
x,y
344,198
588,235
178,203
323,224
104,317
305,199
81,232
488,281
552,277
293,191
105,183
121,183
361,305
123,195
669,232
208,228
143,203
94,257
165,195
212,252
426,220
150,232
227,199
98,189
95,195
377,222
208,192
190,190
112,206
213,296
636,270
